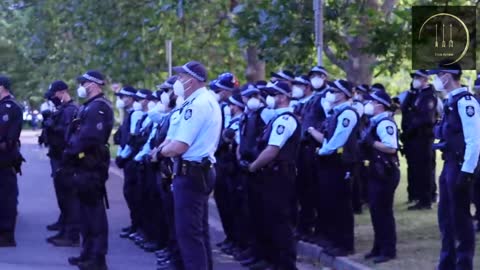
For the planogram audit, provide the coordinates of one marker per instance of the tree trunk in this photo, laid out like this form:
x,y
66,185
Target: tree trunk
x,y
255,67
359,69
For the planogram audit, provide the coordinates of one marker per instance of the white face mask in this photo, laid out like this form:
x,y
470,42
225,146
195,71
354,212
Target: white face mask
x,y
81,92
330,97
151,105
120,104
317,82
137,106
253,104
416,84
165,98
369,109
438,83
297,92
270,102
179,88
179,101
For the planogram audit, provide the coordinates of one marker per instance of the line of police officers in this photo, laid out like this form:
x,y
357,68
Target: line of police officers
x,y
297,152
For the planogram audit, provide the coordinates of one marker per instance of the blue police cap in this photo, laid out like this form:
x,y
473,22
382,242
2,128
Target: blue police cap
x,y
343,86
301,80
261,85
168,84
283,75
91,76
364,88
419,73
280,87
318,70
143,94
382,97
57,86
446,67
194,69
226,81
236,99
126,91
377,87
5,82
248,90
212,86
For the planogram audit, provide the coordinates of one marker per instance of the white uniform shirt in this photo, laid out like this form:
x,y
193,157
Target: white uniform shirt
x,y
469,112
282,128
386,130
199,126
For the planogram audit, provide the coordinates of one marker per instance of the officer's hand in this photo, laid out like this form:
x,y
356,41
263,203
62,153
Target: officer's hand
x,y
464,180
228,134
48,122
244,165
147,159
120,162
368,141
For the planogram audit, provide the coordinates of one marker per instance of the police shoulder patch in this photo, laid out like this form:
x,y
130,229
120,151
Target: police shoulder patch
x,y
470,110
285,117
390,130
468,97
280,129
5,118
188,114
345,122
100,126
431,104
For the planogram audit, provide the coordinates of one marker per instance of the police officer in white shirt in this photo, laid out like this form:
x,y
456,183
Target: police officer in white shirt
x,y
193,145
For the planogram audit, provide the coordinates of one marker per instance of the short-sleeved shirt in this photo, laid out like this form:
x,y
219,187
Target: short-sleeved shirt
x,y
386,130
282,128
199,126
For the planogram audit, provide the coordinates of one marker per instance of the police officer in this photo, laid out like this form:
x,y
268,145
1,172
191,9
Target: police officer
x,y
476,191
381,141
460,145
10,161
339,148
87,148
193,143
225,85
418,119
121,138
359,190
306,183
252,125
56,127
313,114
302,91
275,166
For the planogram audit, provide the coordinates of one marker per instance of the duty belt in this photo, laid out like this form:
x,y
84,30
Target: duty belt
x,y
184,167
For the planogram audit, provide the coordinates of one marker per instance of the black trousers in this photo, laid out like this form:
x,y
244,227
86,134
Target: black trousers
x,y
8,201
279,211
55,165
419,155
132,191
306,192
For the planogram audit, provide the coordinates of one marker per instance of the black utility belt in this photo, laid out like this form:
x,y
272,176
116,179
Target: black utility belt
x,y
193,168
279,165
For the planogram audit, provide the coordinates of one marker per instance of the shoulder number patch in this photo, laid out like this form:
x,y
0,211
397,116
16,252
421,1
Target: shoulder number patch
x,y
345,122
280,129
188,114
390,130
470,110
5,118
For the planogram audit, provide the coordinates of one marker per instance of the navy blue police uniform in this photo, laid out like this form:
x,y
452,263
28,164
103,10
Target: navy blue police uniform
x,y
87,148
384,176
418,119
340,152
278,202
56,127
10,159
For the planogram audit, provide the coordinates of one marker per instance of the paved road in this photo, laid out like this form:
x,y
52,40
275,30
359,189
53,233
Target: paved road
x,y
37,208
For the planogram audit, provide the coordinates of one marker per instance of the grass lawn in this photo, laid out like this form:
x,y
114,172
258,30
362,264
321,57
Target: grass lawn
x,y
418,236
